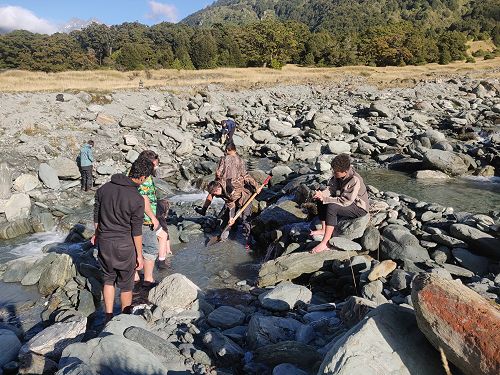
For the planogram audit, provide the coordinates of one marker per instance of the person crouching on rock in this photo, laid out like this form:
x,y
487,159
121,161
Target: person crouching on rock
x,y
227,131
118,218
234,202
346,196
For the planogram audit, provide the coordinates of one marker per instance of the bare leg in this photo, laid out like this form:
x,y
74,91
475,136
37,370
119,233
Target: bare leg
x,y
149,266
109,298
319,232
162,247
323,245
126,299
136,276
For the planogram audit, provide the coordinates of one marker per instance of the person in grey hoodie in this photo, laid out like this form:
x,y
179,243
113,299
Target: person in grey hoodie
x,y
86,162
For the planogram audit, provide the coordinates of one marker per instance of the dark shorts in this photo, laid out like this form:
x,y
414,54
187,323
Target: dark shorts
x,y
118,263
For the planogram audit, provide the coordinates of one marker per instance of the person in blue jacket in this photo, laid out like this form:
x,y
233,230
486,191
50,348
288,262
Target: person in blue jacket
x,y
86,165
227,131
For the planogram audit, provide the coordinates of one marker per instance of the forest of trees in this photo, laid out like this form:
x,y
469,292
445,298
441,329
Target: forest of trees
x,y
270,42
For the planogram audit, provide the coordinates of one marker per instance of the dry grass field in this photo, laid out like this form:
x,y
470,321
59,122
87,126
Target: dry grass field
x,y
238,78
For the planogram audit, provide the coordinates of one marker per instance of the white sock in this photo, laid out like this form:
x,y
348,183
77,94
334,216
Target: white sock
x,y
161,259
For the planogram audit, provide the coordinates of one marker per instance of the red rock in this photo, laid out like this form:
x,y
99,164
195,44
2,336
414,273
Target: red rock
x,y
461,322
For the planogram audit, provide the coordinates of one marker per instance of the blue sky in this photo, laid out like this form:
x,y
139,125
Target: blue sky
x,y
50,15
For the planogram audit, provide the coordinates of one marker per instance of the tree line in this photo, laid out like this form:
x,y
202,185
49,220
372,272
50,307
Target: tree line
x,y
271,43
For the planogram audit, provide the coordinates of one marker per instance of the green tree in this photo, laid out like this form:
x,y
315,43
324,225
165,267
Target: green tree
x,y
98,38
135,56
203,50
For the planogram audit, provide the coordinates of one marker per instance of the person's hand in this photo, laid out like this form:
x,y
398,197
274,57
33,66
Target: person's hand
x,y
93,240
231,222
317,195
259,190
156,223
140,263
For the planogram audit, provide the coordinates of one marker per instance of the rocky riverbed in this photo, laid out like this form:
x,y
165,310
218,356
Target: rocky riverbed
x,y
392,292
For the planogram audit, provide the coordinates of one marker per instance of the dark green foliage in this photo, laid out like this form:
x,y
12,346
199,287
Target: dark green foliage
x,y
272,33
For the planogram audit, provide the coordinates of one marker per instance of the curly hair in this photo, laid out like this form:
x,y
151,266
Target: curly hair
x,y
150,155
141,167
341,163
212,186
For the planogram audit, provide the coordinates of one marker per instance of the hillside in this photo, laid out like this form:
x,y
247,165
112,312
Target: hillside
x,y
341,16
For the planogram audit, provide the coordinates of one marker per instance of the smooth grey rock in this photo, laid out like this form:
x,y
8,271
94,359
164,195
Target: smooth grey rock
x,y
381,108
34,274
66,169
480,242
17,207
265,330
457,271
57,275
16,269
185,148
226,351
371,239
15,229
373,292
400,279
376,346
345,244
283,213
226,317
26,182
285,296
352,228
114,352
174,291
475,263
339,147
9,346
282,129
131,156
398,243
120,323
86,304
54,339
162,349
445,161
131,122
48,176
5,180
430,175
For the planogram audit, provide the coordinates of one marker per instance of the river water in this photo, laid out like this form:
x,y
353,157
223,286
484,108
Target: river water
x,y
220,266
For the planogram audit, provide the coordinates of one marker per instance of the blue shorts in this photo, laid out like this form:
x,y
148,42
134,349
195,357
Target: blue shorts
x,y
149,243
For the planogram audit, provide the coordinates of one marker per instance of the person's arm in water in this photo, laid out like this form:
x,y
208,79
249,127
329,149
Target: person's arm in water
x,y
149,211
208,201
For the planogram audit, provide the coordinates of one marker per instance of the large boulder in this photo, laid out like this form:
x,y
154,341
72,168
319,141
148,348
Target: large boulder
x,y
26,182
284,296
226,317
280,214
480,242
17,207
9,346
352,228
114,353
381,108
54,339
15,229
282,129
131,122
49,177
291,266
16,269
57,275
174,291
459,321
445,161
66,169
33,275
266,330
339,147
475,263
398,243
387,341
176,134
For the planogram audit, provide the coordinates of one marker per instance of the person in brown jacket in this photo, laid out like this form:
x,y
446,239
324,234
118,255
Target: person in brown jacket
x,y
232,175
346,196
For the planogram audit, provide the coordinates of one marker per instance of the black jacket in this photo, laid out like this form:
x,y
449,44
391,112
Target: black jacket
x,y
119,209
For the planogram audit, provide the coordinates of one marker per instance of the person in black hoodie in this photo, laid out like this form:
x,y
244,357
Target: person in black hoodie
x,y
118,216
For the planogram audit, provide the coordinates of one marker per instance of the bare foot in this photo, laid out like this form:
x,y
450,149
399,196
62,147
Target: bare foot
x,y
319,249
317,233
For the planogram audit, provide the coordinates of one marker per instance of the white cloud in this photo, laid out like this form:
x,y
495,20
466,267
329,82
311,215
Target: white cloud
x,y
162,12
16,18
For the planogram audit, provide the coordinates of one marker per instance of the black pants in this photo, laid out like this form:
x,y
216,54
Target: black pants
x,y
329,213
86,177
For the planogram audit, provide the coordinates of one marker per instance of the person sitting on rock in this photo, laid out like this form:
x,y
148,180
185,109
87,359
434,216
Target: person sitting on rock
x,y
232,174
227,131
346,196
